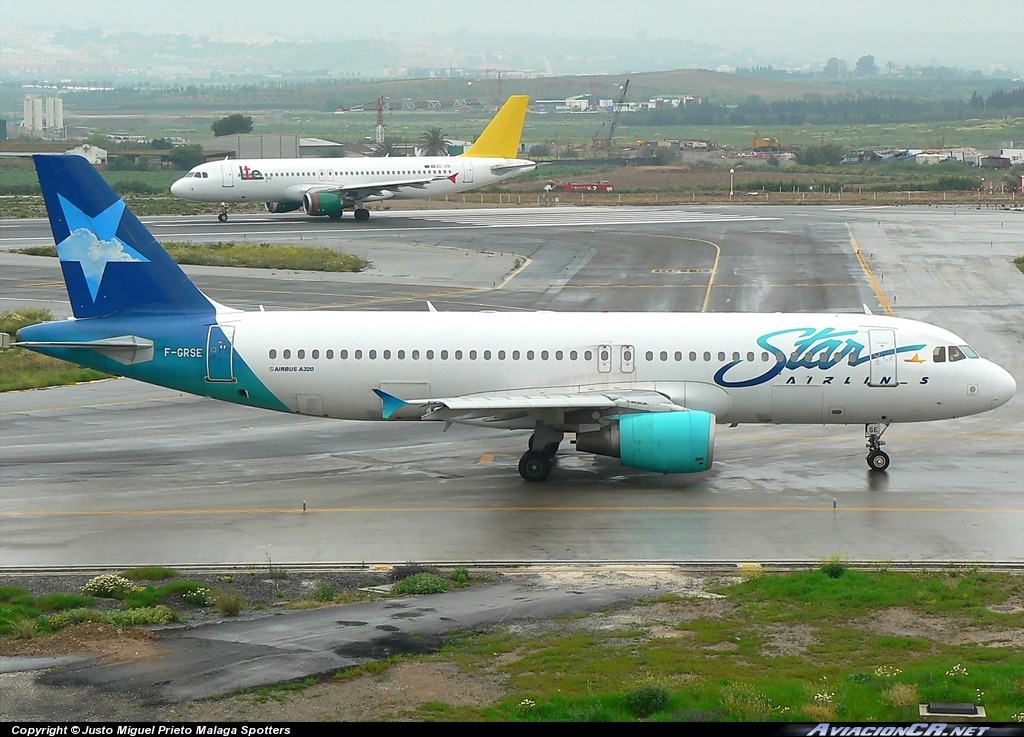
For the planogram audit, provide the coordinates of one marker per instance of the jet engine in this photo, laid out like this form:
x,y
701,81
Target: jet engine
x,y
668,442
322,203
282,206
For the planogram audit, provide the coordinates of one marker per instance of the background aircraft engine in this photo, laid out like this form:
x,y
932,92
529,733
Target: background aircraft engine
x,y
282,206
322,203
668,442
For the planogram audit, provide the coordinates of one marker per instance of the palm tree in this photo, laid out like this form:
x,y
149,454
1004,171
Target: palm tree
x,y
433,143
386,148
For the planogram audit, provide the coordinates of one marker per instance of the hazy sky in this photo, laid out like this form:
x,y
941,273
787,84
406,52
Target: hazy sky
x,y
909,31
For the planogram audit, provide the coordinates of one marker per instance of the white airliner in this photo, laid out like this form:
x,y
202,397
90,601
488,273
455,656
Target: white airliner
x,y
331,186
648,388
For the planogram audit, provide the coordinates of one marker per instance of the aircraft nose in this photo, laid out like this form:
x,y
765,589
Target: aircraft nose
x,y
1004,386
178,188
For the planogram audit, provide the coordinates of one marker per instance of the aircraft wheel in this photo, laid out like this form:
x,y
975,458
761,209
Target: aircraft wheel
x,y
551,449
223,217
878,460
362,214
535,465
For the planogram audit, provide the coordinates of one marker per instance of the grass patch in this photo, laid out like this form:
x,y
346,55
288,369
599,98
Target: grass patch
x,y
261,256
802,647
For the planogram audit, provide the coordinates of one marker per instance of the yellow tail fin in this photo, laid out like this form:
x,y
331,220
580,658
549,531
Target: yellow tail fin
x,y
500,139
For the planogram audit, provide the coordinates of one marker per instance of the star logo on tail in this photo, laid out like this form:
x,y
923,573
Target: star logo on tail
x,y
93,242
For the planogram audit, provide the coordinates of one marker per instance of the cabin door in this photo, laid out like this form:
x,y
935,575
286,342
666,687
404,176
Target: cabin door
x,y
220,355
227,175
882,371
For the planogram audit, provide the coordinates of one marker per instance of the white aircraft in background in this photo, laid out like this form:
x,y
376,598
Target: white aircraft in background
x,y
331,186
647,388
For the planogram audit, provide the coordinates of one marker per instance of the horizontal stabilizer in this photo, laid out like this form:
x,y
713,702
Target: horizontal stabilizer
x,y
125,349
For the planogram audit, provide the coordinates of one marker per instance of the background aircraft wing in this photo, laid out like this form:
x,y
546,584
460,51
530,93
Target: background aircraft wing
x,y
365,189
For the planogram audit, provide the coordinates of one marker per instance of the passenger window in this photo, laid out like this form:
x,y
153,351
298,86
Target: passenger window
x,y
286,353
444,355
693,355
501,355
372,355
679,356
573,355
458,355
544,355
472,355
314,354
515,355
430,355
939,354
588,356
415,355
750,356
558,355
649,355
329,354
343,354
387,355
707,355
357,354
487,355
273,353
663,355
300,354
401,355
529,355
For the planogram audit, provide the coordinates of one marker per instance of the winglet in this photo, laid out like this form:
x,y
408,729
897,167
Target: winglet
x,y
500,139
390,404
867,310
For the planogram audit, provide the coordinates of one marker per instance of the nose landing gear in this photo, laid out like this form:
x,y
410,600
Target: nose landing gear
x,y
878,459
223,216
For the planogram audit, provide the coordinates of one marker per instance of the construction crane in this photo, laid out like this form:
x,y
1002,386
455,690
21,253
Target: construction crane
x,y
606,143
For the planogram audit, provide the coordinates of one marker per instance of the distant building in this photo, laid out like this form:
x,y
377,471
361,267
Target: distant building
x,y
94,154
270,146
42,117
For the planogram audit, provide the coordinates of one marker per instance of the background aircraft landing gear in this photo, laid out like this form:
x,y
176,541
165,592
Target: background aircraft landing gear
x,y
878,459
361,213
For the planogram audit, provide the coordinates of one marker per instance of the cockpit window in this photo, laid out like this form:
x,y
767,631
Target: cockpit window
x,y
939,354
955,354
970,352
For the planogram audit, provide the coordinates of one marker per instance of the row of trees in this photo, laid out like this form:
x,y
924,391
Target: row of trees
x,y
815,109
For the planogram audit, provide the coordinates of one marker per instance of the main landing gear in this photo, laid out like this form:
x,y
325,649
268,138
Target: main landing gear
x,y
361,213
537,462
878,459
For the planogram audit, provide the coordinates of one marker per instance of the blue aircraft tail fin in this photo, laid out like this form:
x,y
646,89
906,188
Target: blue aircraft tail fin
x,y
112,264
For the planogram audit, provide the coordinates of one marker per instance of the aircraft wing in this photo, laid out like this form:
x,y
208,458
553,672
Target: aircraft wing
x,y
505,406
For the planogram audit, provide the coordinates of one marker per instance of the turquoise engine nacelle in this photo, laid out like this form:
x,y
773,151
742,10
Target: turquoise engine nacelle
x,y
282,206
322,203
667,442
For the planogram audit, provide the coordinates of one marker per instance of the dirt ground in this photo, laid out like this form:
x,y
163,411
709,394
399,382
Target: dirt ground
x,y
399,692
